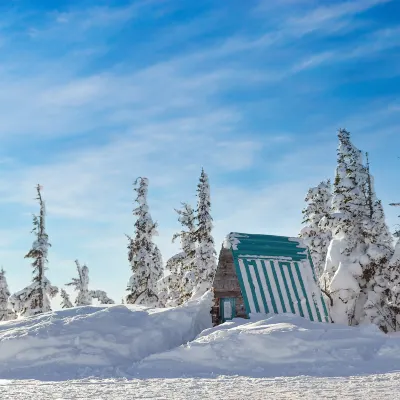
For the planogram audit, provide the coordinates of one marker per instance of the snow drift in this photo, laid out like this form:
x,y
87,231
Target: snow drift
x,y
279,345
90,340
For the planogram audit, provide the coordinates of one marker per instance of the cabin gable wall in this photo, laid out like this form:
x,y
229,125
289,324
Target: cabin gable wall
x,y
226,285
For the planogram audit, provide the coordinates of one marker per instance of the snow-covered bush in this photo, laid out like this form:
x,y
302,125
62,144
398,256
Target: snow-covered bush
x,y
6,312
81,285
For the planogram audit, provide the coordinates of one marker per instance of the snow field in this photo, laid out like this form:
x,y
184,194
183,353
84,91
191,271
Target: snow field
x,y
370,387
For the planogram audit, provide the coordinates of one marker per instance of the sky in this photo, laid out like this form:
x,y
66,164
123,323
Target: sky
x,y
96,93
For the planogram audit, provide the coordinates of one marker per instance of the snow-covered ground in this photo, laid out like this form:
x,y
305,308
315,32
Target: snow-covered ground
x,y
119,352
376,387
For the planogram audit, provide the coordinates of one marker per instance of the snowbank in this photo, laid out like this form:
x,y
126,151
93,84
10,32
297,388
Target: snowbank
x,y
138,342
280,345
95,340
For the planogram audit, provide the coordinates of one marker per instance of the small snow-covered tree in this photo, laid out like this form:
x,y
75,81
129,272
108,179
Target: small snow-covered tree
x,y
66,302
316,235
6,312
35,299
205,254
143,256
188,239
180,268
81,285
397,233
101,296
393,292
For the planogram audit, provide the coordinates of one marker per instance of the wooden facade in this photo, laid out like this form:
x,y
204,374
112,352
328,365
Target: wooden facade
x,y
226,285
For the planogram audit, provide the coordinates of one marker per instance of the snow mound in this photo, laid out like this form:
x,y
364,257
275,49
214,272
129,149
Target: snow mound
x,y
97,341
279,345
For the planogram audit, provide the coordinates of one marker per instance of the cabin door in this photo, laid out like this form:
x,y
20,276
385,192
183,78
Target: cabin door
x,y
227,307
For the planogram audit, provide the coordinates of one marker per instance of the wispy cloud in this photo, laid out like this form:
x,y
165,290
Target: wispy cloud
x,y
322,17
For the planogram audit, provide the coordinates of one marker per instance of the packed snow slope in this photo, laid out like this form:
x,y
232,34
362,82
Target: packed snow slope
x,y
138,342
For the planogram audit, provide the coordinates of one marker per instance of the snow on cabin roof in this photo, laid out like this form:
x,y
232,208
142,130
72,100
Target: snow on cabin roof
x,y
261,246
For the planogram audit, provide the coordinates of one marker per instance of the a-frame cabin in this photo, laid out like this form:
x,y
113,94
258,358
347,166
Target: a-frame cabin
x,y
266,274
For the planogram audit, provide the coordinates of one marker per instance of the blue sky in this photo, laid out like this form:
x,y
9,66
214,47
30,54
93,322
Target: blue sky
x,y
94,94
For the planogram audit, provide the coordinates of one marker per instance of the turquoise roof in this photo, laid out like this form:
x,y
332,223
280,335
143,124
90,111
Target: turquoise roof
x,y
269,246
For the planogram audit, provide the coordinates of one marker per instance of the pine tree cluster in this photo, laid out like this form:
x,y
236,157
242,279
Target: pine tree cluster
x,y
188,274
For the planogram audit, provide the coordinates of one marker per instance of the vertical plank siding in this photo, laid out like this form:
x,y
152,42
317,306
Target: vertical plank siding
x,y
226,285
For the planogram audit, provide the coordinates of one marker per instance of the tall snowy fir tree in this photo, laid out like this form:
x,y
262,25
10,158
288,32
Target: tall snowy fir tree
x,y
356,274
346,255
6,312
315,235
81,285
143,256
180,269
35,299
65,302
205,254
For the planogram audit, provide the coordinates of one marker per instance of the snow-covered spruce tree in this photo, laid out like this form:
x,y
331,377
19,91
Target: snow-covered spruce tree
x,y
205,254
180,268
376,274
393,292
143,256
6,312
81,285
315,235
35,299
66,302
377,231
347,252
